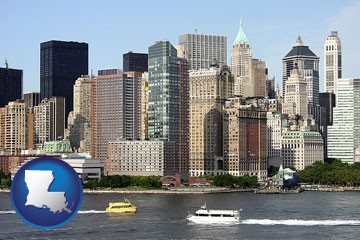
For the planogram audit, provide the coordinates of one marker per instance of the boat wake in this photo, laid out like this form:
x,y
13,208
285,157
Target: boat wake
x,y
7,212
296,222
91,211
80,212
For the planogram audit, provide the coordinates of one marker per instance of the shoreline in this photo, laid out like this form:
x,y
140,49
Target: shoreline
x,y
199,190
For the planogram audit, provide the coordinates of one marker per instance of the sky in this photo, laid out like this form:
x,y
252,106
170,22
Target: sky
x,y
112,28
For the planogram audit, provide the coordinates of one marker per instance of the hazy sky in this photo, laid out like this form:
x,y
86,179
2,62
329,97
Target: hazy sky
x,y
112,28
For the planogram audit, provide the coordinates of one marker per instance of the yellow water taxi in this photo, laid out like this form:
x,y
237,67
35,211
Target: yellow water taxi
x,y
121,207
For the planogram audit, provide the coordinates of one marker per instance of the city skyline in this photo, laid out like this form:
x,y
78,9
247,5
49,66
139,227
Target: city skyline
x,y
263,24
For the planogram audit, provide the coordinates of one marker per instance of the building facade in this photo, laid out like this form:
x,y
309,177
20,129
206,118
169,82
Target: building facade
x,y
144,106
332,62
201,49
135,62
307,62
168,99
31,99
241,65
208,91
274,132
245,139
11,84
344,134
49,121
13,128
141,158
116,111
61,63
79,120
301,148
295,95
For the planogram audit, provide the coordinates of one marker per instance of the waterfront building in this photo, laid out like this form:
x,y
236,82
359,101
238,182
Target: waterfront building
x,y
79,120
332,62
302,58
13,128
344,134
201,49
135,62
61,63
295,95
208,90
142,158
49,120
11,84
301,148
86,167
245,138
116,110
168,111
274,132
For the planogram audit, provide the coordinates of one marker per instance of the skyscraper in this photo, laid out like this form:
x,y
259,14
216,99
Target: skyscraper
x,y
209,88
168,99
295,95
116,110
49,118
241,65
13,127
135,62
344,135
79,120
307,62
11,83
332,62
61,63
31,99
245,138
201,49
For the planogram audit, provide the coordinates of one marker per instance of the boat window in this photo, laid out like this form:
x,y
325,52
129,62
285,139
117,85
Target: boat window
x,y
228,215
216,215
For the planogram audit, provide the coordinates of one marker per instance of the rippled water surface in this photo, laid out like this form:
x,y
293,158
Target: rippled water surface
x,y
308,215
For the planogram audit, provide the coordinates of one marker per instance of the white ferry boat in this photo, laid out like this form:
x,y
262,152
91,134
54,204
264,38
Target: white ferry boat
x,y
204,215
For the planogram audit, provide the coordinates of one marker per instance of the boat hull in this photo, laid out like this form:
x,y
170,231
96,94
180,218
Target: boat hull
x,y
121,210
212,220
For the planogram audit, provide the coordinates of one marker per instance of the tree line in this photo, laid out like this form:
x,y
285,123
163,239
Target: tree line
x,y
5,180
333,172
124,181
228,180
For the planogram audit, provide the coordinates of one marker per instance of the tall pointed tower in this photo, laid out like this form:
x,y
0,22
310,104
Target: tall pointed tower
x,y
332,62
241,64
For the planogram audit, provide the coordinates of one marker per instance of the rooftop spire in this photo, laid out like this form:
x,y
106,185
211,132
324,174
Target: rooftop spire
x,y
299,42
241,37
6,65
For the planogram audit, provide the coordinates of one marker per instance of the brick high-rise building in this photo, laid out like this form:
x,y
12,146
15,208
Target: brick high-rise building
x,y
245,139
116,111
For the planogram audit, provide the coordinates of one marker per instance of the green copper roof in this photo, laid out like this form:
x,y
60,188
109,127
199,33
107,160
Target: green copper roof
x,y
241,37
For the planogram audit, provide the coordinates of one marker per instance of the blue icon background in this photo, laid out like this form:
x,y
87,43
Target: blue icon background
x,y
65,180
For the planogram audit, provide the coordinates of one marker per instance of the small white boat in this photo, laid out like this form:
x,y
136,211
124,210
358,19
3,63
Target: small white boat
x,y
204,215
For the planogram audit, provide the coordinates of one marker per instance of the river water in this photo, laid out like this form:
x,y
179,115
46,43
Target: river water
x,y
308,215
